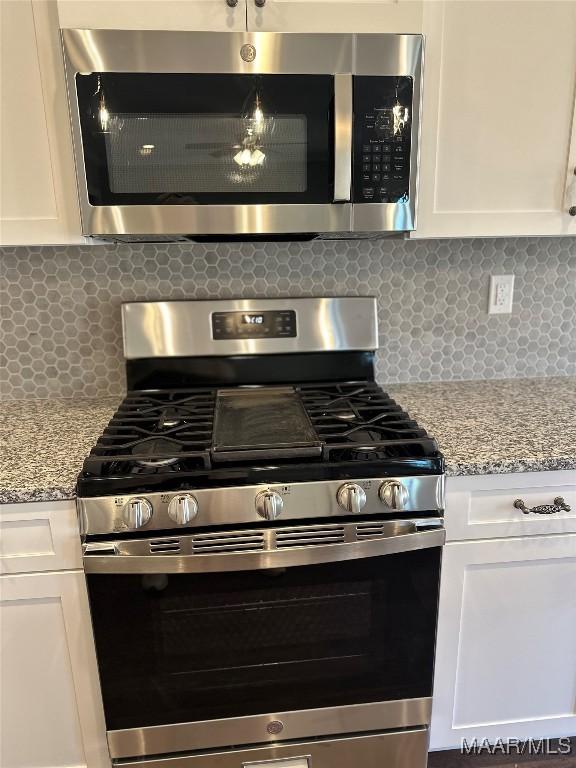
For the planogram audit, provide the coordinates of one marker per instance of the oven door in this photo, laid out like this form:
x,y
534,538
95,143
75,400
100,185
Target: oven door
x,y
211,133
310,639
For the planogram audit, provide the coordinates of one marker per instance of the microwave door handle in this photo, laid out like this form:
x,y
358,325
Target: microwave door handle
x,y
98,559
343,122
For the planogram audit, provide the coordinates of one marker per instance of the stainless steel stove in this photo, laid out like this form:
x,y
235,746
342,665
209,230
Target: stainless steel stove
x,y
262,530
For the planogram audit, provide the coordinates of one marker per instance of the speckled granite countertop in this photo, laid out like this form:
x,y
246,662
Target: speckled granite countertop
x,y
493,427
43,444
483,427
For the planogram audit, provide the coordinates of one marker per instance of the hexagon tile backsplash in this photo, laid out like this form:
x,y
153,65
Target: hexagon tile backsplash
x,y
61,331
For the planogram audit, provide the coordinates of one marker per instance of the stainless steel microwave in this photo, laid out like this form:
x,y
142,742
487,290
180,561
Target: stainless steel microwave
x,y
243,134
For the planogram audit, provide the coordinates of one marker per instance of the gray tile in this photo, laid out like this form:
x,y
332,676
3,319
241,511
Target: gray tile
x,y
61,333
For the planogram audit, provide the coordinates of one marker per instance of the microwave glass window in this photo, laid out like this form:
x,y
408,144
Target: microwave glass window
x,y
206,153
178,139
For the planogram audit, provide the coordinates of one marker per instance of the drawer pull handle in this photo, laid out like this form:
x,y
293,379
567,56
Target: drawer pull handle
x,y
559,505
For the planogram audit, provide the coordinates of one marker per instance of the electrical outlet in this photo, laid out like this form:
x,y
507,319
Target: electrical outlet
x,y
501,294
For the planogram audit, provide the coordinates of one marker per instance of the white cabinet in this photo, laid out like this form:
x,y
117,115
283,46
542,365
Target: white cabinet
x,y
239,15
38,200
42,536
200,15
52,714
505,663
482,506
335,16
498,146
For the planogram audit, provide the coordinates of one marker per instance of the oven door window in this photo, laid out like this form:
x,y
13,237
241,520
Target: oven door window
x,y
179,139
191,647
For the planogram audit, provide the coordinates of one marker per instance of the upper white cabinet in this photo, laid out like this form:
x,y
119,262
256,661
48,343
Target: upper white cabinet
x,y
334,15
498,148
239,15
200,15
38,200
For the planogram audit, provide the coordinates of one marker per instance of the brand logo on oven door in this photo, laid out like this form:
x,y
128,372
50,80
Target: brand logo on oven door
x,y
275,726
248,52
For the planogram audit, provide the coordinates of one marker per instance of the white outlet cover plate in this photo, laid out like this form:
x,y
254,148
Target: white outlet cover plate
x,y
501,295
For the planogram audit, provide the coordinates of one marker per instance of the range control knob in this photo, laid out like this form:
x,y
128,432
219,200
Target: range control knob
x,y
393,494
351,497
183,509
269,505
136,513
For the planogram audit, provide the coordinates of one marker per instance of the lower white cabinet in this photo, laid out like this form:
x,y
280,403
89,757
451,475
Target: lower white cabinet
x,y
506,650
51,714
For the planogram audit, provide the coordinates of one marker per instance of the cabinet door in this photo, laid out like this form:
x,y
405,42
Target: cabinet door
x,y
38,200
200,15
335,16
39,536
505,661
499,85
52,713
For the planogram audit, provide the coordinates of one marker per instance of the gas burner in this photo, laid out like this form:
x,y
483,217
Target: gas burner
x,y
157,448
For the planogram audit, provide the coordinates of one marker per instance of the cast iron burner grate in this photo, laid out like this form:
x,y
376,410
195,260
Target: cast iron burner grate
x,y
361,422
159,435
160,431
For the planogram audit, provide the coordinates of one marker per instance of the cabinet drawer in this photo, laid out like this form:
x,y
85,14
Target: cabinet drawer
x,y
39,536
482,507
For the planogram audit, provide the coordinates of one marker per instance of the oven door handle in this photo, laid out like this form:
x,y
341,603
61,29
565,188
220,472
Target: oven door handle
x,y
95,561
343,120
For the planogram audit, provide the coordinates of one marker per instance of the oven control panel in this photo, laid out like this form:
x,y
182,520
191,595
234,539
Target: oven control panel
x,y
269,324
382,139
222,506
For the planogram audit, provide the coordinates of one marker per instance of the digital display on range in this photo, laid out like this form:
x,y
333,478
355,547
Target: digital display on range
x,y
275,324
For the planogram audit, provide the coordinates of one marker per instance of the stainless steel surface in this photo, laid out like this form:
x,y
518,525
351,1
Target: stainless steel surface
x,y
559,505
243,550
393,494
351,497
182,509
403,56
183,328
229,506
343,121
378,716
269,505
136,513
88,51
212,219
108,50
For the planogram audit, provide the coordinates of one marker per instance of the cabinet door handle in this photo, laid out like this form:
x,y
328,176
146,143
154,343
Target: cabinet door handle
x,y
259,3
572,210
559,505
232,3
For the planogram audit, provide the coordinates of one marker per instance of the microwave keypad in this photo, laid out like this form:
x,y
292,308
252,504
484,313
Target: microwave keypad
x,y
381,148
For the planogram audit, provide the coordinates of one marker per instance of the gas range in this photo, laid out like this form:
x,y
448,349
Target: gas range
x,y
212,456
254,487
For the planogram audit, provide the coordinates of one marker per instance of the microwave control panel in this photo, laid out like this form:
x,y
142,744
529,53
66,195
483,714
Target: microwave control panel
x,y
382,139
